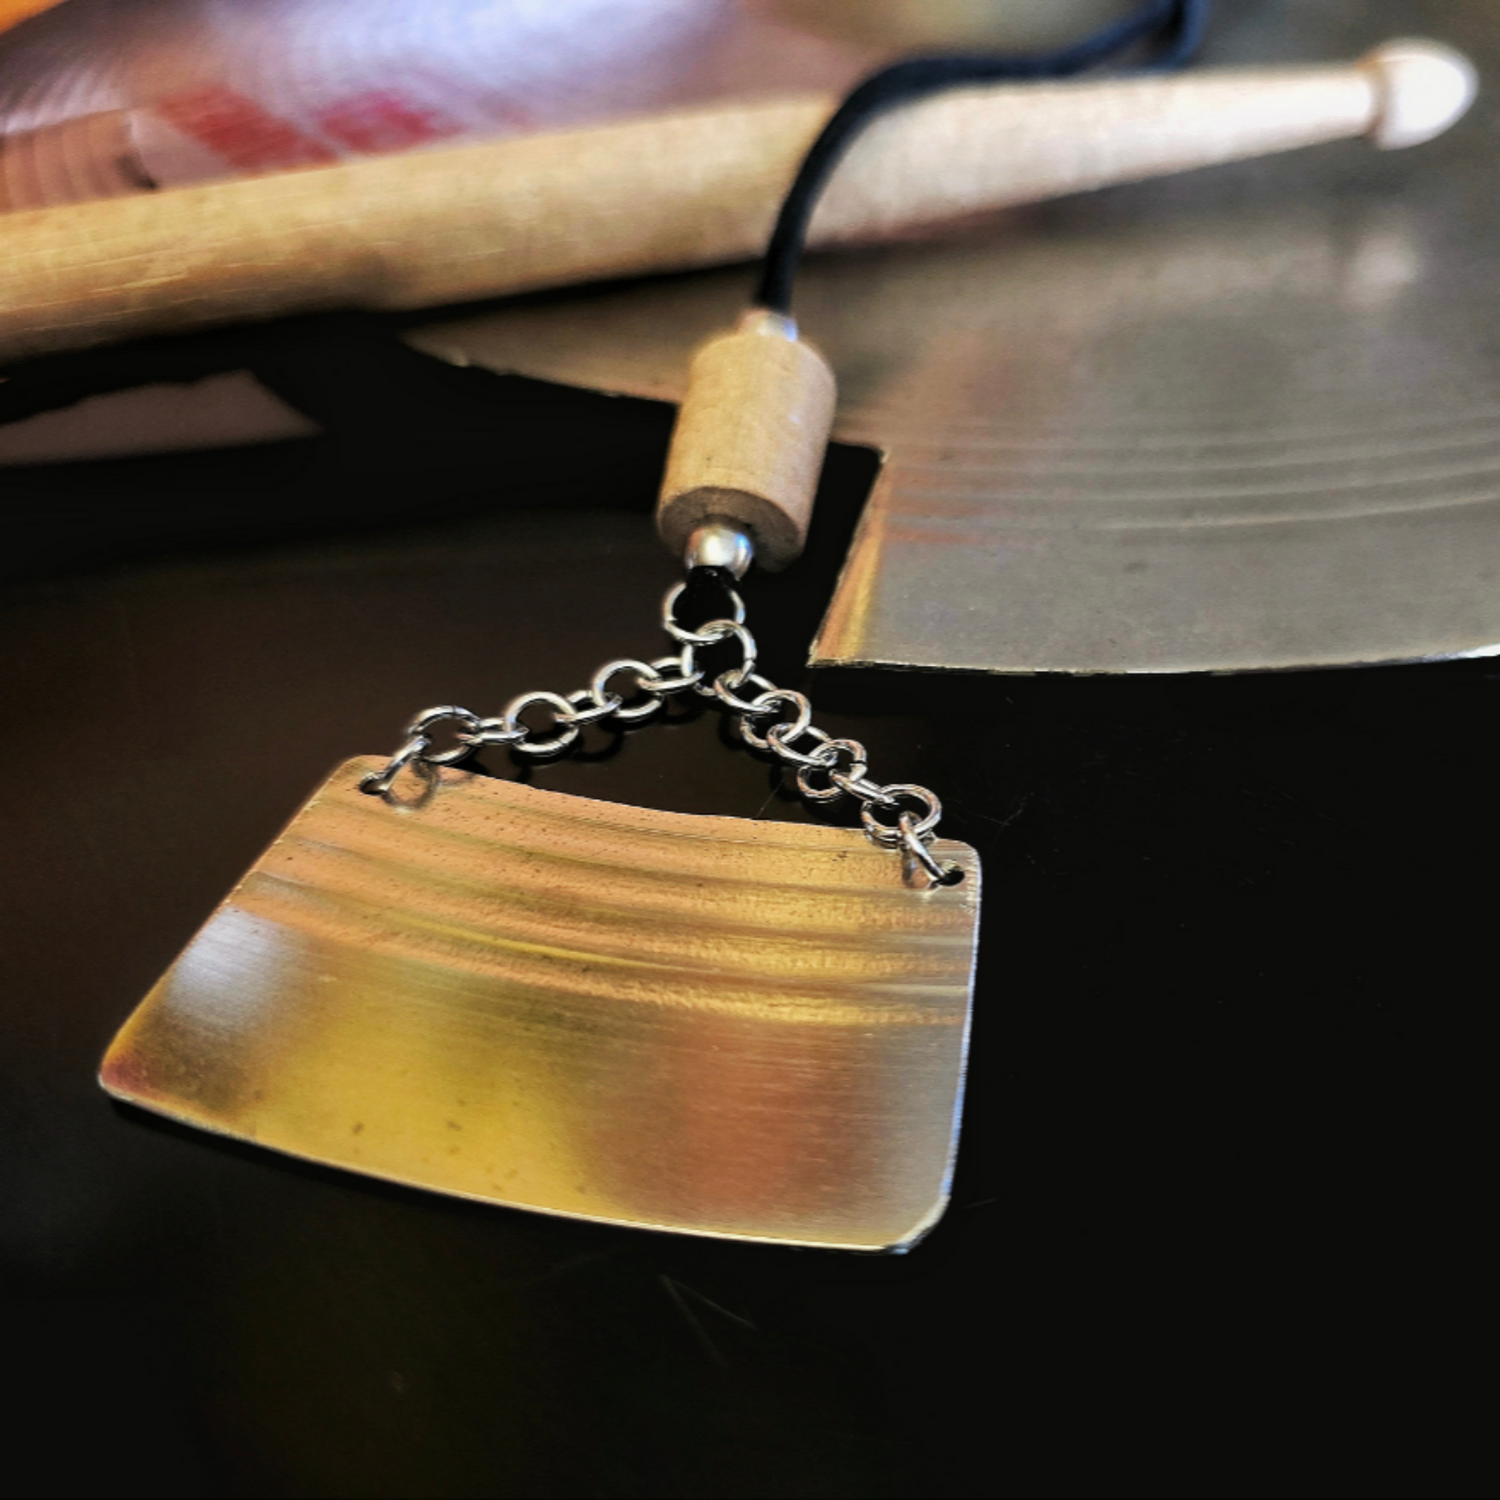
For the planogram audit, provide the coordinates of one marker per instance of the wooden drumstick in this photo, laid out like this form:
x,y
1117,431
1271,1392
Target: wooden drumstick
x,y
668,192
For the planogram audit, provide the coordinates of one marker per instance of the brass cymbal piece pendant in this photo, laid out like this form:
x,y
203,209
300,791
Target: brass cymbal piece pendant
x,y
723,1027
749,1030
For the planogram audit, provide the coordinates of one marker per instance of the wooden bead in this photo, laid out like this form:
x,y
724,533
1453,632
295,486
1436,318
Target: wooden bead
x,y
750,438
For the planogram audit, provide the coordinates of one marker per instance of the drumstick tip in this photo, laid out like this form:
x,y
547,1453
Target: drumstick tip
x,y
1423,87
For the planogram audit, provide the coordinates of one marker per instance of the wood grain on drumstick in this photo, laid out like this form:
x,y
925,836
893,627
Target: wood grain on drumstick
x,y
657,194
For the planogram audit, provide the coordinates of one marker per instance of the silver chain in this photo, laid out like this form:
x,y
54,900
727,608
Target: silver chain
x,y
777,720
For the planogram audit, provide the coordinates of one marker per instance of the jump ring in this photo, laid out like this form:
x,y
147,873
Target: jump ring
x,y
766,704
656,683
599,688
381,781
893,834
861,787
693,637
779,739
562,710
598,709
938,873
825,759
494,732
724,691
689,657
420,728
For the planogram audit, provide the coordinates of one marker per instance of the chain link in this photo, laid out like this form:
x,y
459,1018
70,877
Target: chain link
x,y
777,721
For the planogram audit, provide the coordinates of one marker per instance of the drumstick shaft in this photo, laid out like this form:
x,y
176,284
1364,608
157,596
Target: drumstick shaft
x,y
657,194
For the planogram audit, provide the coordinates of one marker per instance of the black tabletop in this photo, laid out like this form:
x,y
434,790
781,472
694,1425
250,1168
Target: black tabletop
x,y
1219,1200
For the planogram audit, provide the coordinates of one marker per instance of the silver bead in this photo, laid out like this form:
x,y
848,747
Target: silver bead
x,y
719,543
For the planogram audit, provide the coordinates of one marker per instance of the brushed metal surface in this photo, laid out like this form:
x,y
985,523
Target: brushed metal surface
x,y
741,1029
1245,418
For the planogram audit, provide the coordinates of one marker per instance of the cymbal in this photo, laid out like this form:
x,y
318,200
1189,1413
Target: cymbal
x,y
1236,420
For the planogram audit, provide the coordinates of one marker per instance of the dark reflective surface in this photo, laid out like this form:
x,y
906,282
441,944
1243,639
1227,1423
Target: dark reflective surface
x,y
1227,1147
